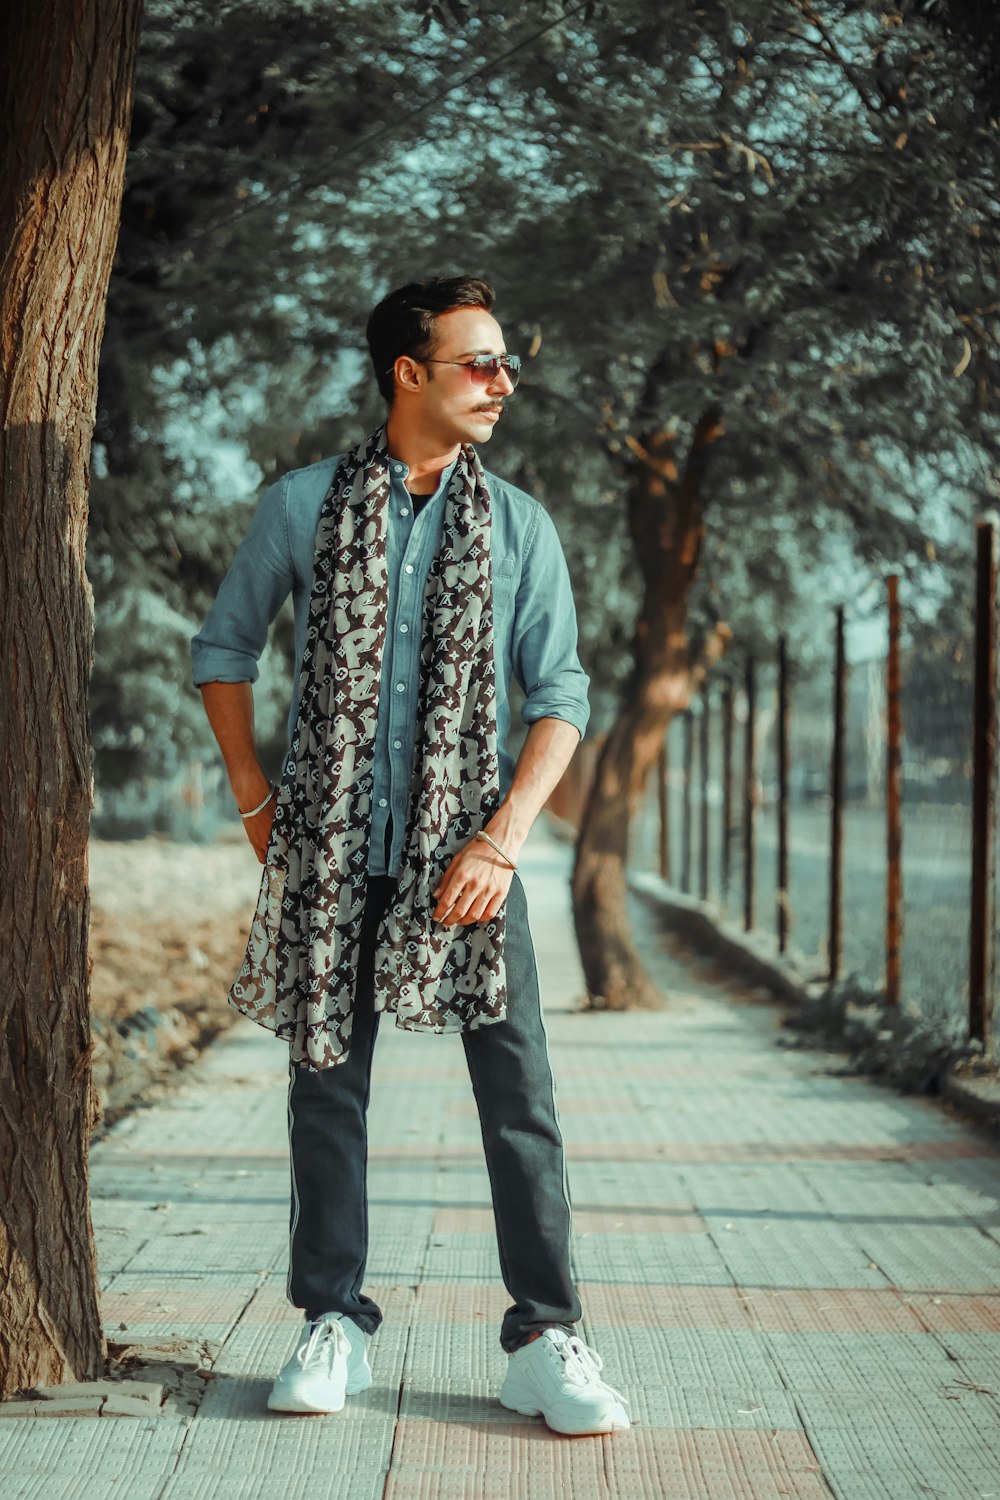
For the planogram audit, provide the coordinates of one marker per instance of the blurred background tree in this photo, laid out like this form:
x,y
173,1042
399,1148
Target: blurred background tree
x,y
749,251
225,353
790,332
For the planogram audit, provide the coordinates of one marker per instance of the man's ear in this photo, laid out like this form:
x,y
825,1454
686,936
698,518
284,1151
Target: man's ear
x,y
410,374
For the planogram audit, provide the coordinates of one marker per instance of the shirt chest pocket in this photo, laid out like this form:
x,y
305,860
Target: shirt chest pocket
x,y
504,573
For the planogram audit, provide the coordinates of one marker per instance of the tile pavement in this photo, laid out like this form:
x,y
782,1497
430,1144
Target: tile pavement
x,y
794,1276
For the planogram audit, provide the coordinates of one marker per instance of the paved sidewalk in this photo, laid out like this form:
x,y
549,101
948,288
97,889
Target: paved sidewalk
x,y
793,1276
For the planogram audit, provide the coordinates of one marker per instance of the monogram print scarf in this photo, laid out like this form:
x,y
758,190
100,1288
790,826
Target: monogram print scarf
x,y
298,974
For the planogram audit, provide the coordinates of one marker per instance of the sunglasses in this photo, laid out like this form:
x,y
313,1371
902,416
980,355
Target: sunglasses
x,y
484,367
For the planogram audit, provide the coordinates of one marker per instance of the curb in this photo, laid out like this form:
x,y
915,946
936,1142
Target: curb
x,y
971,1084
978,1097
745,952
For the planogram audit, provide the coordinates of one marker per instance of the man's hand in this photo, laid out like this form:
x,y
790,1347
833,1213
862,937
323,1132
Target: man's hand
x,y
476,882
259,827
249,792
473,887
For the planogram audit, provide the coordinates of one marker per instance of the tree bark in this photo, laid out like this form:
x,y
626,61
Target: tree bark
x,y
65,105
665,517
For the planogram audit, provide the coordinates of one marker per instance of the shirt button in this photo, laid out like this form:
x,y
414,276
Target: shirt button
x,y
408,568
400,687
404,510
404,628
397,744
382,802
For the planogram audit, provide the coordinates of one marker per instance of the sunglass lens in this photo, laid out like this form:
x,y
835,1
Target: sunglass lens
x,y
512,364
488,367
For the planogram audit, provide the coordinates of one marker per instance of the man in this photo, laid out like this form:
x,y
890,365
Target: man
x,y
422,584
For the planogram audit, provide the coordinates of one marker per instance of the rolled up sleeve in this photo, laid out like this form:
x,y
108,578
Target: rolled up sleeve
x,y
545,656
229,644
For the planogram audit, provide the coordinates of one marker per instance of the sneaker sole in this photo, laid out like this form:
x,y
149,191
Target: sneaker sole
x,y
296,1405
281,1400
284,1397
524,1411
606,1424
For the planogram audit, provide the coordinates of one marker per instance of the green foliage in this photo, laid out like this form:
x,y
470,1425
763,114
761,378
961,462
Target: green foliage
x,y
788,215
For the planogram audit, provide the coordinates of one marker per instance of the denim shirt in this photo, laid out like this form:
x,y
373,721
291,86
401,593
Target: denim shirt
x,y
534,619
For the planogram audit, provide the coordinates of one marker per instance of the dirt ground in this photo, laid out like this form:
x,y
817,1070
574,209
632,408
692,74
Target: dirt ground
x,y
169,922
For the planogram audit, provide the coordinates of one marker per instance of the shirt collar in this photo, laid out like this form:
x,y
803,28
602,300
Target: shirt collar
x,y
398,472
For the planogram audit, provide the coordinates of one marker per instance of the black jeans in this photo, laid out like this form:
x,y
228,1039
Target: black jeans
x,y
512,1083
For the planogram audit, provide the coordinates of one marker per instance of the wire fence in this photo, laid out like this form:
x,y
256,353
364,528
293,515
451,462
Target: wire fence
x,y
712,816
840,810
936,846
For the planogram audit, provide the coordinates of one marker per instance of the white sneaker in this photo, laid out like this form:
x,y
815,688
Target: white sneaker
x,y
556,1375
359,1372
329,1363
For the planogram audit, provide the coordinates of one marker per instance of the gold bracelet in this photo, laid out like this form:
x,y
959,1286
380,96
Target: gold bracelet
x,y
481,835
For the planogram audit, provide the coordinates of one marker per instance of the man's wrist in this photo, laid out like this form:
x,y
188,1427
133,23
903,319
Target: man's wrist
x,y
510,827
250,788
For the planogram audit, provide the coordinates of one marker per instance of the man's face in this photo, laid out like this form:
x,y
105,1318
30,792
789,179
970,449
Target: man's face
x,y
452,402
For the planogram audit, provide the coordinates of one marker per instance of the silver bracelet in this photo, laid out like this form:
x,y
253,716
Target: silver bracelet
x,y
262,805
481,835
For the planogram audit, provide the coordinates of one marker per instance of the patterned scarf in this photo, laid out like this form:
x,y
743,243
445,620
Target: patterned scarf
x,y
301,961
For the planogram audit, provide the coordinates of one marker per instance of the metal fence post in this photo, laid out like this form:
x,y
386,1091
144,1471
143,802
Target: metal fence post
x,y
782,891
704,841
686,805
894,805
727,782
983,772
662,784
749,799
834,942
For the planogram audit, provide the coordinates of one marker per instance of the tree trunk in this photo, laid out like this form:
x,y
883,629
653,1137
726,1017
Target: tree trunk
x,y
65,104
666,525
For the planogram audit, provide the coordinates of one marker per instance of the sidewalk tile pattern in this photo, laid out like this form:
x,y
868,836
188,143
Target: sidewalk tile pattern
x,y
793,1275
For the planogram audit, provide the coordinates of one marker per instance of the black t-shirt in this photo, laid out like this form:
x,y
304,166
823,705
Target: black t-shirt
x,y
419,501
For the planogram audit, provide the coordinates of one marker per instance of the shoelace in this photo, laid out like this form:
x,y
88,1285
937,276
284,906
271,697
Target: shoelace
x,y
323,1343
582,1364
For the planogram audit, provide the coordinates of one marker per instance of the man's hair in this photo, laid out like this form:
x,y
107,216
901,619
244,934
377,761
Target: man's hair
x,y
403,322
